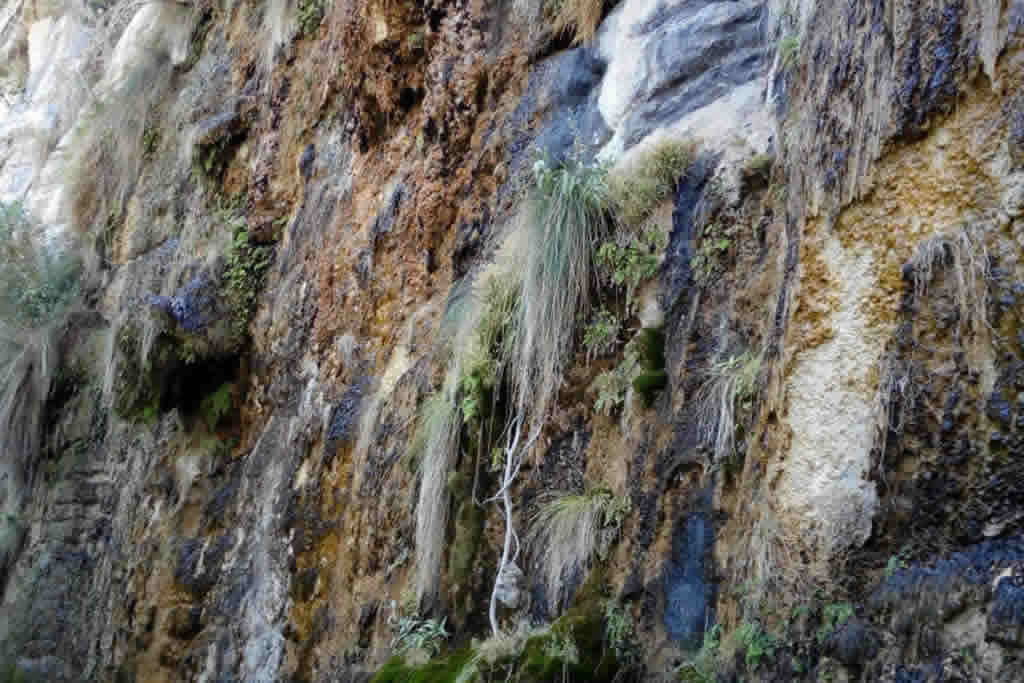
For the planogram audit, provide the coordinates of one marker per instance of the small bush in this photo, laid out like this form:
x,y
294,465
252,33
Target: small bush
x,y
702,667
613,385
708,262
620,632
310,14
753,642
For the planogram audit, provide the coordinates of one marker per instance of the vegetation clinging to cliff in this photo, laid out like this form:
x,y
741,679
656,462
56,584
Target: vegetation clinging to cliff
x,y
572,528
570,213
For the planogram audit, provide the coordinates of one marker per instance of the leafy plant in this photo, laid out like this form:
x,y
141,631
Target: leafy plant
x,y
310,14
833,616
602,334
613,385
754,642
895,563
628,265
413,633
713,246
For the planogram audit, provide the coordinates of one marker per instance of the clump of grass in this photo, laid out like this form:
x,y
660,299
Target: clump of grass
x,y
651,179
579,18
571,212
964,257
572,528
436,444
728,384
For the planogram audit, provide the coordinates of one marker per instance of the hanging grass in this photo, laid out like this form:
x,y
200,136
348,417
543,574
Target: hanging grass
x,y
570,214
569,529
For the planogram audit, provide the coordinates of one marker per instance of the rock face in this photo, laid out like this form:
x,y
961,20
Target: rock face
x,y
281,209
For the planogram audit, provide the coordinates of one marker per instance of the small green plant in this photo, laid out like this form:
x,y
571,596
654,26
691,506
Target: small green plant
x,y
755,643
310,14
217,405
563,648
602,334
895,564
789,50
701,668
833,616
708,262
413,633
612,385
245,266
628,265
620,632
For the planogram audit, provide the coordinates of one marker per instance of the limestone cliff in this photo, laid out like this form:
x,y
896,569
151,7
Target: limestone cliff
x,y
306,375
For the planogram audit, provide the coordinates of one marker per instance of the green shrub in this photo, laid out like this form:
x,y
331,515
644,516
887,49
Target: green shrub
x,y
702,667
754,642
708,262
620,632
